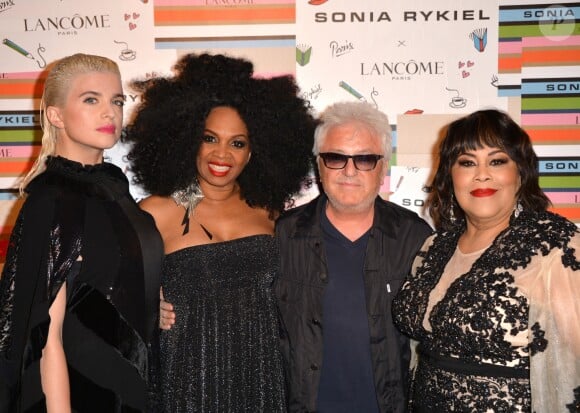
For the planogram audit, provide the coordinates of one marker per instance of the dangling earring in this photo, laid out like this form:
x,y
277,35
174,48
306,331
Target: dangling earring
x,y
451,213
518,209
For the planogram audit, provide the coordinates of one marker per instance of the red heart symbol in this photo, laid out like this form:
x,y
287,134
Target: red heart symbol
x,y
465,74
470,63
127,16
461,64
136,15
132,26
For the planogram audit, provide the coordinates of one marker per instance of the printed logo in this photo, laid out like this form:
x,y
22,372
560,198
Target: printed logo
x,y
554,21
67,25
402,70
377,16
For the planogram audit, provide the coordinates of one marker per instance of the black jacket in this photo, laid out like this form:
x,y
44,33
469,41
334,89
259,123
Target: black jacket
x,y
112,307
395,237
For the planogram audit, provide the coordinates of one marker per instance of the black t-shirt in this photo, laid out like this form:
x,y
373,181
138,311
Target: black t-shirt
x,y
346,381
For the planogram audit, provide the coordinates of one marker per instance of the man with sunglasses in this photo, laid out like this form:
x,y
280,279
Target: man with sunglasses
x,y
344,255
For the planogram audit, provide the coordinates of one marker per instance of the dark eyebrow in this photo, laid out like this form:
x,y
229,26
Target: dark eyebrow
x,y
466,154
495,152
241,135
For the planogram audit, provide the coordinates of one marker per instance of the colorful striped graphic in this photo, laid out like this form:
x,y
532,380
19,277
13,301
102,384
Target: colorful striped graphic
x,y
24,85
539,60
509,62
20,141
568,197
559,166
570,211
555,51
560,179
18,120
238,42
535,35
224,12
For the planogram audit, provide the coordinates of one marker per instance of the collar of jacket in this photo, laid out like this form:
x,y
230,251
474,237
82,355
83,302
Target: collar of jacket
x,y
308,223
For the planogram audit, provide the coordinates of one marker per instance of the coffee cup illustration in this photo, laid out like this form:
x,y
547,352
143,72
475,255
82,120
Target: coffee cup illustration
x,y
457,102
126,53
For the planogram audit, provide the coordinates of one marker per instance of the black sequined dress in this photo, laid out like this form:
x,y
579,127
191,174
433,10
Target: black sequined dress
x,y
498,329
222,354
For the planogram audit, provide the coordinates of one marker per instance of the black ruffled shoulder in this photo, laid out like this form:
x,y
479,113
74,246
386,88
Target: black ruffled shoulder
x,y
101,180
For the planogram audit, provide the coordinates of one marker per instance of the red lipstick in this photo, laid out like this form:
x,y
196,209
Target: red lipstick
x,y
483,192
219,169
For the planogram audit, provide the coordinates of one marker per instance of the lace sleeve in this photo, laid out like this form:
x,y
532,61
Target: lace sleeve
x,y
554,332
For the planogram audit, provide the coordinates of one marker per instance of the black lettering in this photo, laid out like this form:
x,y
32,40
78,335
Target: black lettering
x,y
410,16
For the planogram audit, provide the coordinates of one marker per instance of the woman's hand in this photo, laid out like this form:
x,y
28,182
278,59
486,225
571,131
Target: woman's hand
x,y
166,313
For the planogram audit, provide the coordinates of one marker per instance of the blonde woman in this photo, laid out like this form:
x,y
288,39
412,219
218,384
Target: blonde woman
x,y
79,291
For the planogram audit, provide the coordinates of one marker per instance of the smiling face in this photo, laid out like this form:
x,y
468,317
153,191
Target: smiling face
x,y
90,118
348,189
225,148
486,182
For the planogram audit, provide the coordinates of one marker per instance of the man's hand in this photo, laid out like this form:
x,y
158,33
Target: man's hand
x,y
166,313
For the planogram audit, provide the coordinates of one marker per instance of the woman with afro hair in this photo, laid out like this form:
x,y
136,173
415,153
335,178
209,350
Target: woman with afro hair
x,y
222,153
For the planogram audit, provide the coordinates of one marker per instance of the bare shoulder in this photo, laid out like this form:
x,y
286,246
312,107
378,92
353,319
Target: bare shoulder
x,y
163,209
156,204
257,220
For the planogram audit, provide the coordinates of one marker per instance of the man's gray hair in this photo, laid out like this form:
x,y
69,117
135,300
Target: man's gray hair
x,y
346,112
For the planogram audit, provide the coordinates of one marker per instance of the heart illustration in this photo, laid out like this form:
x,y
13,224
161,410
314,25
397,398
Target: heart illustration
x,y
132,26
464,74
470,63
136,16
461,64
127,16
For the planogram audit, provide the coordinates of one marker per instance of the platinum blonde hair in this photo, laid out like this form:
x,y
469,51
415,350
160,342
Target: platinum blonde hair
x,y
56,87
360,112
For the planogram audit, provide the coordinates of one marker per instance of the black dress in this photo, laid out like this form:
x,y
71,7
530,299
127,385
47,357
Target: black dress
x,y
222,354
497,329
79,225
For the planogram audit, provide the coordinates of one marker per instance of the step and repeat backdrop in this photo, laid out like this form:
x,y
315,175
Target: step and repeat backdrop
x,y
423,63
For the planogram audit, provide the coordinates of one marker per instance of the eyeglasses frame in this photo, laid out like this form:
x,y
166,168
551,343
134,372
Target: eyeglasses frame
x,y
375,157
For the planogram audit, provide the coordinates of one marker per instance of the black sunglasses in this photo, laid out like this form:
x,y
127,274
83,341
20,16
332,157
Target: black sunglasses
x,y
334,160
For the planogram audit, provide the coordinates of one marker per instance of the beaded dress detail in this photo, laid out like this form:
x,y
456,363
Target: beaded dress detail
x,y
222,353
503,330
